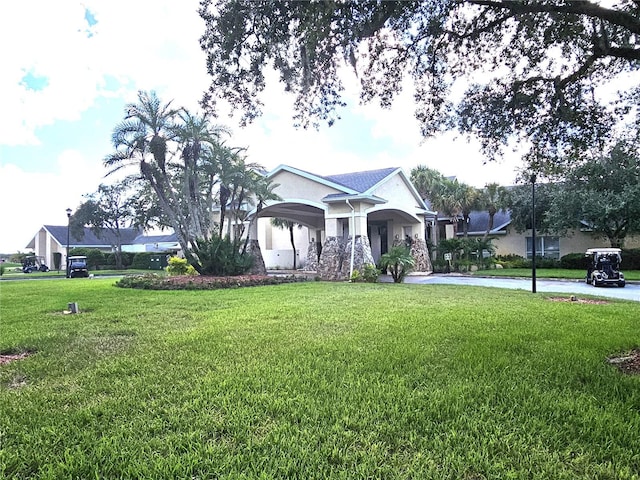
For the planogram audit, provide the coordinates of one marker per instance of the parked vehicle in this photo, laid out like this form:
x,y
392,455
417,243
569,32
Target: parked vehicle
x,y
77,266
604,267
33,263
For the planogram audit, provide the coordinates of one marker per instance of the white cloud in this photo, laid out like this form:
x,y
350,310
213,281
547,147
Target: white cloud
x,y
30,200
144,44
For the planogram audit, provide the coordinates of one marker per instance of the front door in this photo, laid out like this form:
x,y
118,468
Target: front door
x,y
378,237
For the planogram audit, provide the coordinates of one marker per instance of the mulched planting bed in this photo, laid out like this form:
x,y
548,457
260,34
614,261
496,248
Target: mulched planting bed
x,y
12,357
575,299
628,362
203,282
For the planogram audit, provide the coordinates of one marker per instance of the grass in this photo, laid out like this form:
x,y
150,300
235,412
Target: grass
x,y
633,275
314,381
16,272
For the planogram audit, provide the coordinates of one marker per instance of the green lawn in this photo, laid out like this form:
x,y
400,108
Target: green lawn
x,y
16,272
314,381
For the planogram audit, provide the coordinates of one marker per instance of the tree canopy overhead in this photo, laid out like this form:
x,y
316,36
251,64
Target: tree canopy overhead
x,y
533,70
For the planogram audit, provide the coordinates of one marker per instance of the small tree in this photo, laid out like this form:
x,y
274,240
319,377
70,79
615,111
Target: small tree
x,y
398,262
107,209
289,225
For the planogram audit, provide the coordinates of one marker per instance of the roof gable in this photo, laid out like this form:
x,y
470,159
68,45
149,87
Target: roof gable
x,y
361,182
313,177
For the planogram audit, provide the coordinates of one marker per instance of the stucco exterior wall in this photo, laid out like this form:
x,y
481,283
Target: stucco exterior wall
x,y
296,186
397,194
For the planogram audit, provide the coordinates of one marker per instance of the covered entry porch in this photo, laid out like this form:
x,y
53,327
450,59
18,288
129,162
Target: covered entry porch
x,y
344,229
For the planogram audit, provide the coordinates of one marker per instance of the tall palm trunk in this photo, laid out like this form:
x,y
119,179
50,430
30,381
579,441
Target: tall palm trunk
x,y
293,244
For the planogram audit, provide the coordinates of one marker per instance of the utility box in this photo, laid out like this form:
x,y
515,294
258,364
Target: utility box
x,y
158,262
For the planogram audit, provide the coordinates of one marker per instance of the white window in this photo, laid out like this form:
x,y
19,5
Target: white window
x,y
548,247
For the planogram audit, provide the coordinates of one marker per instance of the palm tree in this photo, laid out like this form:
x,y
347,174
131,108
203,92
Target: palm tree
x,y
456,200
199,141
469,201
493,198
142,139
398,261
146,129
428,182
289,225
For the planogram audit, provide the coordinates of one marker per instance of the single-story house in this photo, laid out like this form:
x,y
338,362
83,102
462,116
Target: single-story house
x,y
349,220
54,238
507,240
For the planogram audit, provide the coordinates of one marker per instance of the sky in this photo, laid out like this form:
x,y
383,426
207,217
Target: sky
x,y
69,68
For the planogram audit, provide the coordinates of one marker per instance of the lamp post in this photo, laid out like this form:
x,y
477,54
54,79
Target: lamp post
x,y
533,233
68,229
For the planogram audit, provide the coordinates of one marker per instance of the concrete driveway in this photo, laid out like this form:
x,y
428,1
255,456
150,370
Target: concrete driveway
x,y
630,292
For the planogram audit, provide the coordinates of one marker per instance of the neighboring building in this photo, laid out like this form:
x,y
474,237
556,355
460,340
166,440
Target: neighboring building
x,y
507,240
53,238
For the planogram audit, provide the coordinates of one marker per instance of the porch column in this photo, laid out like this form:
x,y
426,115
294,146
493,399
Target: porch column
x,y
333,251
312,253
253,249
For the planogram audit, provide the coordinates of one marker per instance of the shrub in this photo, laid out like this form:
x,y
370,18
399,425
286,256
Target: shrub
x,y
147,281
574,261
127,259
440,266
546,262
355,276
370,274
223,257
142,261
513,261
631,259
179,266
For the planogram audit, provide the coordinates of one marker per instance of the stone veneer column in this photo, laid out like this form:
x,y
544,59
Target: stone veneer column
x,y
362,254
312,257
253,250
331,259
420,253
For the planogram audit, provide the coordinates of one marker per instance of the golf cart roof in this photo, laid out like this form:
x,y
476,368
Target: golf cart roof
x,y
78,257
591,251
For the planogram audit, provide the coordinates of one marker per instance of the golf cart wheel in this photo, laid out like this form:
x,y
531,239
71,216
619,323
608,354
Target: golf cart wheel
x,y
622,284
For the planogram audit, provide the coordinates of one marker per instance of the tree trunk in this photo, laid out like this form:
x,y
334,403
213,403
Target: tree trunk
x,y
489,226
292,244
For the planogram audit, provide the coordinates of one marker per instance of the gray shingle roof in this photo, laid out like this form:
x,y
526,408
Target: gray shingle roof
x,y
127,236
360,181
479,221
147,239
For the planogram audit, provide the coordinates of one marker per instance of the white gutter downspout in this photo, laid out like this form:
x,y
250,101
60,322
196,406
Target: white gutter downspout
x,y
353,236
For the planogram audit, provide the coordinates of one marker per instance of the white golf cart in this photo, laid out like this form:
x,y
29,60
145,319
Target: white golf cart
x,y
603,267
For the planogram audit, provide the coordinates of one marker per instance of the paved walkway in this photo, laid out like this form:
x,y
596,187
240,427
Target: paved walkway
x,y
630,292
